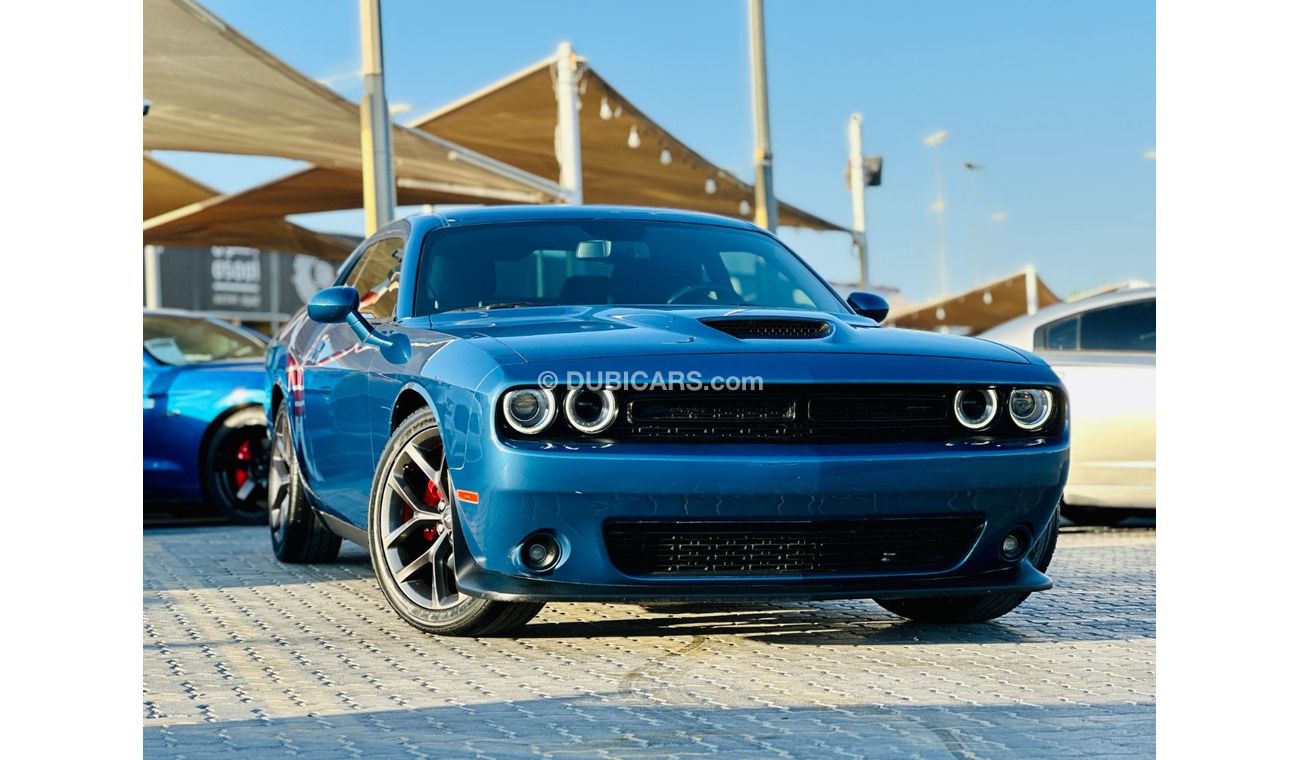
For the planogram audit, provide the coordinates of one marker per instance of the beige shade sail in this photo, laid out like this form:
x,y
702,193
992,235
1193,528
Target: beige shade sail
x,y
310,190
166,189
514,120
213,90
980,308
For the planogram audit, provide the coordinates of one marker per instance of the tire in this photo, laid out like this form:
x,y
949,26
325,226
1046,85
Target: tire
x,y
975,609
1095,516
235,467
410,540
298,535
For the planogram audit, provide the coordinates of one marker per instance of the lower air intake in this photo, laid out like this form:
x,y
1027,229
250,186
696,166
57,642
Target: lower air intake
x,y
767,547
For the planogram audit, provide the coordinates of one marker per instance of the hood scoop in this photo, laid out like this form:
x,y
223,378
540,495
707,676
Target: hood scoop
x,y
751,328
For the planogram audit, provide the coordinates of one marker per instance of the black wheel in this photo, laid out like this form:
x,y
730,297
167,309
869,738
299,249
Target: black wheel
x,y
235,467
1101,516
297,532
975,609
411,524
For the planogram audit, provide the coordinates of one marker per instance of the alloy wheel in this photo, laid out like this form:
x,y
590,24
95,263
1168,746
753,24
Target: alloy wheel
x,y
415,525
278,477
242,470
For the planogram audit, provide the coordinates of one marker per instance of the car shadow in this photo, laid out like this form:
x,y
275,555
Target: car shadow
x,y
1077,609
632,723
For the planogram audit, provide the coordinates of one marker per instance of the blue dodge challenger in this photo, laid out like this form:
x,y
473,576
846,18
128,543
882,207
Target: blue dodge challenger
x,y
512,406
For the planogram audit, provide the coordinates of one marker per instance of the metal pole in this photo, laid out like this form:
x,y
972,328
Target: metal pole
x,y
568,143
376,134
273,264
940,207
1031,290
765,210
151,282
858,191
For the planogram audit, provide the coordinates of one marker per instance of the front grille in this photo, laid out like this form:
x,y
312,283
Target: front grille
x,y
794,413
770,328
807,414
816,547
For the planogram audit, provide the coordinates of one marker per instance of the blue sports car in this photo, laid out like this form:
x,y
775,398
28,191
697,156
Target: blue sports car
x,y
512,406
204,423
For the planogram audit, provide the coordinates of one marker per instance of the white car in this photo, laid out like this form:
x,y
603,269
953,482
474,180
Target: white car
x,y
1104,350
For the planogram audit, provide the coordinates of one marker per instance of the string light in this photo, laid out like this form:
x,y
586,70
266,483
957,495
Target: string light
x,y
744,208
633,139
606,112
665,157
710,186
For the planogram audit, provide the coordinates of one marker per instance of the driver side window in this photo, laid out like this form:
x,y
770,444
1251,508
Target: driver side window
x,y
376,275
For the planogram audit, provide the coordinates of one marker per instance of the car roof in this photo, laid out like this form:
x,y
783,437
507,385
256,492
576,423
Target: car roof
x,y
1019,331
501,214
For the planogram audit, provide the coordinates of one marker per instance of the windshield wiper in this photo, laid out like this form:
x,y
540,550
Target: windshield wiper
x,y
491,306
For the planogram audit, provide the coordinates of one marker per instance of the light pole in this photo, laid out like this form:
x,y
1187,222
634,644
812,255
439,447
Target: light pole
x,y
940,207
569,143
981,254
858,192
378,192
764,192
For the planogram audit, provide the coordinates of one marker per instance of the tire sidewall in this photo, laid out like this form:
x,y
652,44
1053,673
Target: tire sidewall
x,y
431,621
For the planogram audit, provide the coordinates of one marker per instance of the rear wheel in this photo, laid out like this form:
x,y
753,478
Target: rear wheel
x,y
411,524
297,532
975,609
235,467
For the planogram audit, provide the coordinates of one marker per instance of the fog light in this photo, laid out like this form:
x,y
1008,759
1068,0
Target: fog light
x,y
540,552
1013,545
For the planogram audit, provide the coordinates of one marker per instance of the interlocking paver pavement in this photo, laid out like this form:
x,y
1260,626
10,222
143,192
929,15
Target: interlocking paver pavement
x,y
243,654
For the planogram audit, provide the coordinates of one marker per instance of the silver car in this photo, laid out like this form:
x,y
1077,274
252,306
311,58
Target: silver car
x,y
1104,350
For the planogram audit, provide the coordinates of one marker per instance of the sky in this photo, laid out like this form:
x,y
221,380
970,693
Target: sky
x,y
1054,101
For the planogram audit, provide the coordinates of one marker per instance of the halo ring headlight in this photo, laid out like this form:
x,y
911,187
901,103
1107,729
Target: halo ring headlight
x,y
529,410
1030,408
590,411
975,409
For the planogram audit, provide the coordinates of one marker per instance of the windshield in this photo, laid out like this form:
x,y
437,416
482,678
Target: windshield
x,y
191,340
621,262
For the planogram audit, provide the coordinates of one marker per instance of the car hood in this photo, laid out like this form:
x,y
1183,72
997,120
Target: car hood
x,y
583,332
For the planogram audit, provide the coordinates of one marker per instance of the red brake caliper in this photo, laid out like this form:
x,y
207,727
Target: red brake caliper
x,y
244,454
432,497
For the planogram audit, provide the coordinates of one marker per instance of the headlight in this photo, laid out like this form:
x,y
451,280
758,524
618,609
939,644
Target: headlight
x,y
1031,408
590,411
529,410
975,408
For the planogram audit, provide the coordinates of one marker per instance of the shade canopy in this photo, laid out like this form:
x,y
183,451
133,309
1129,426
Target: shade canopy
x,y
514,120
213,90
225,94
980,308
166,190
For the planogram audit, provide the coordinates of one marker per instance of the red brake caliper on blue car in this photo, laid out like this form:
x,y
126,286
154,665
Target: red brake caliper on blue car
x,y
432,497
244,454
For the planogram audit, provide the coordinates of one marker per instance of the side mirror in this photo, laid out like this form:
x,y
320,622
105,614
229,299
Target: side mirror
x,y
342,304
869,305
333,305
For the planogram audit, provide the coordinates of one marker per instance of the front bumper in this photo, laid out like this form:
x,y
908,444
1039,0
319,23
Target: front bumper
x,y
571,490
